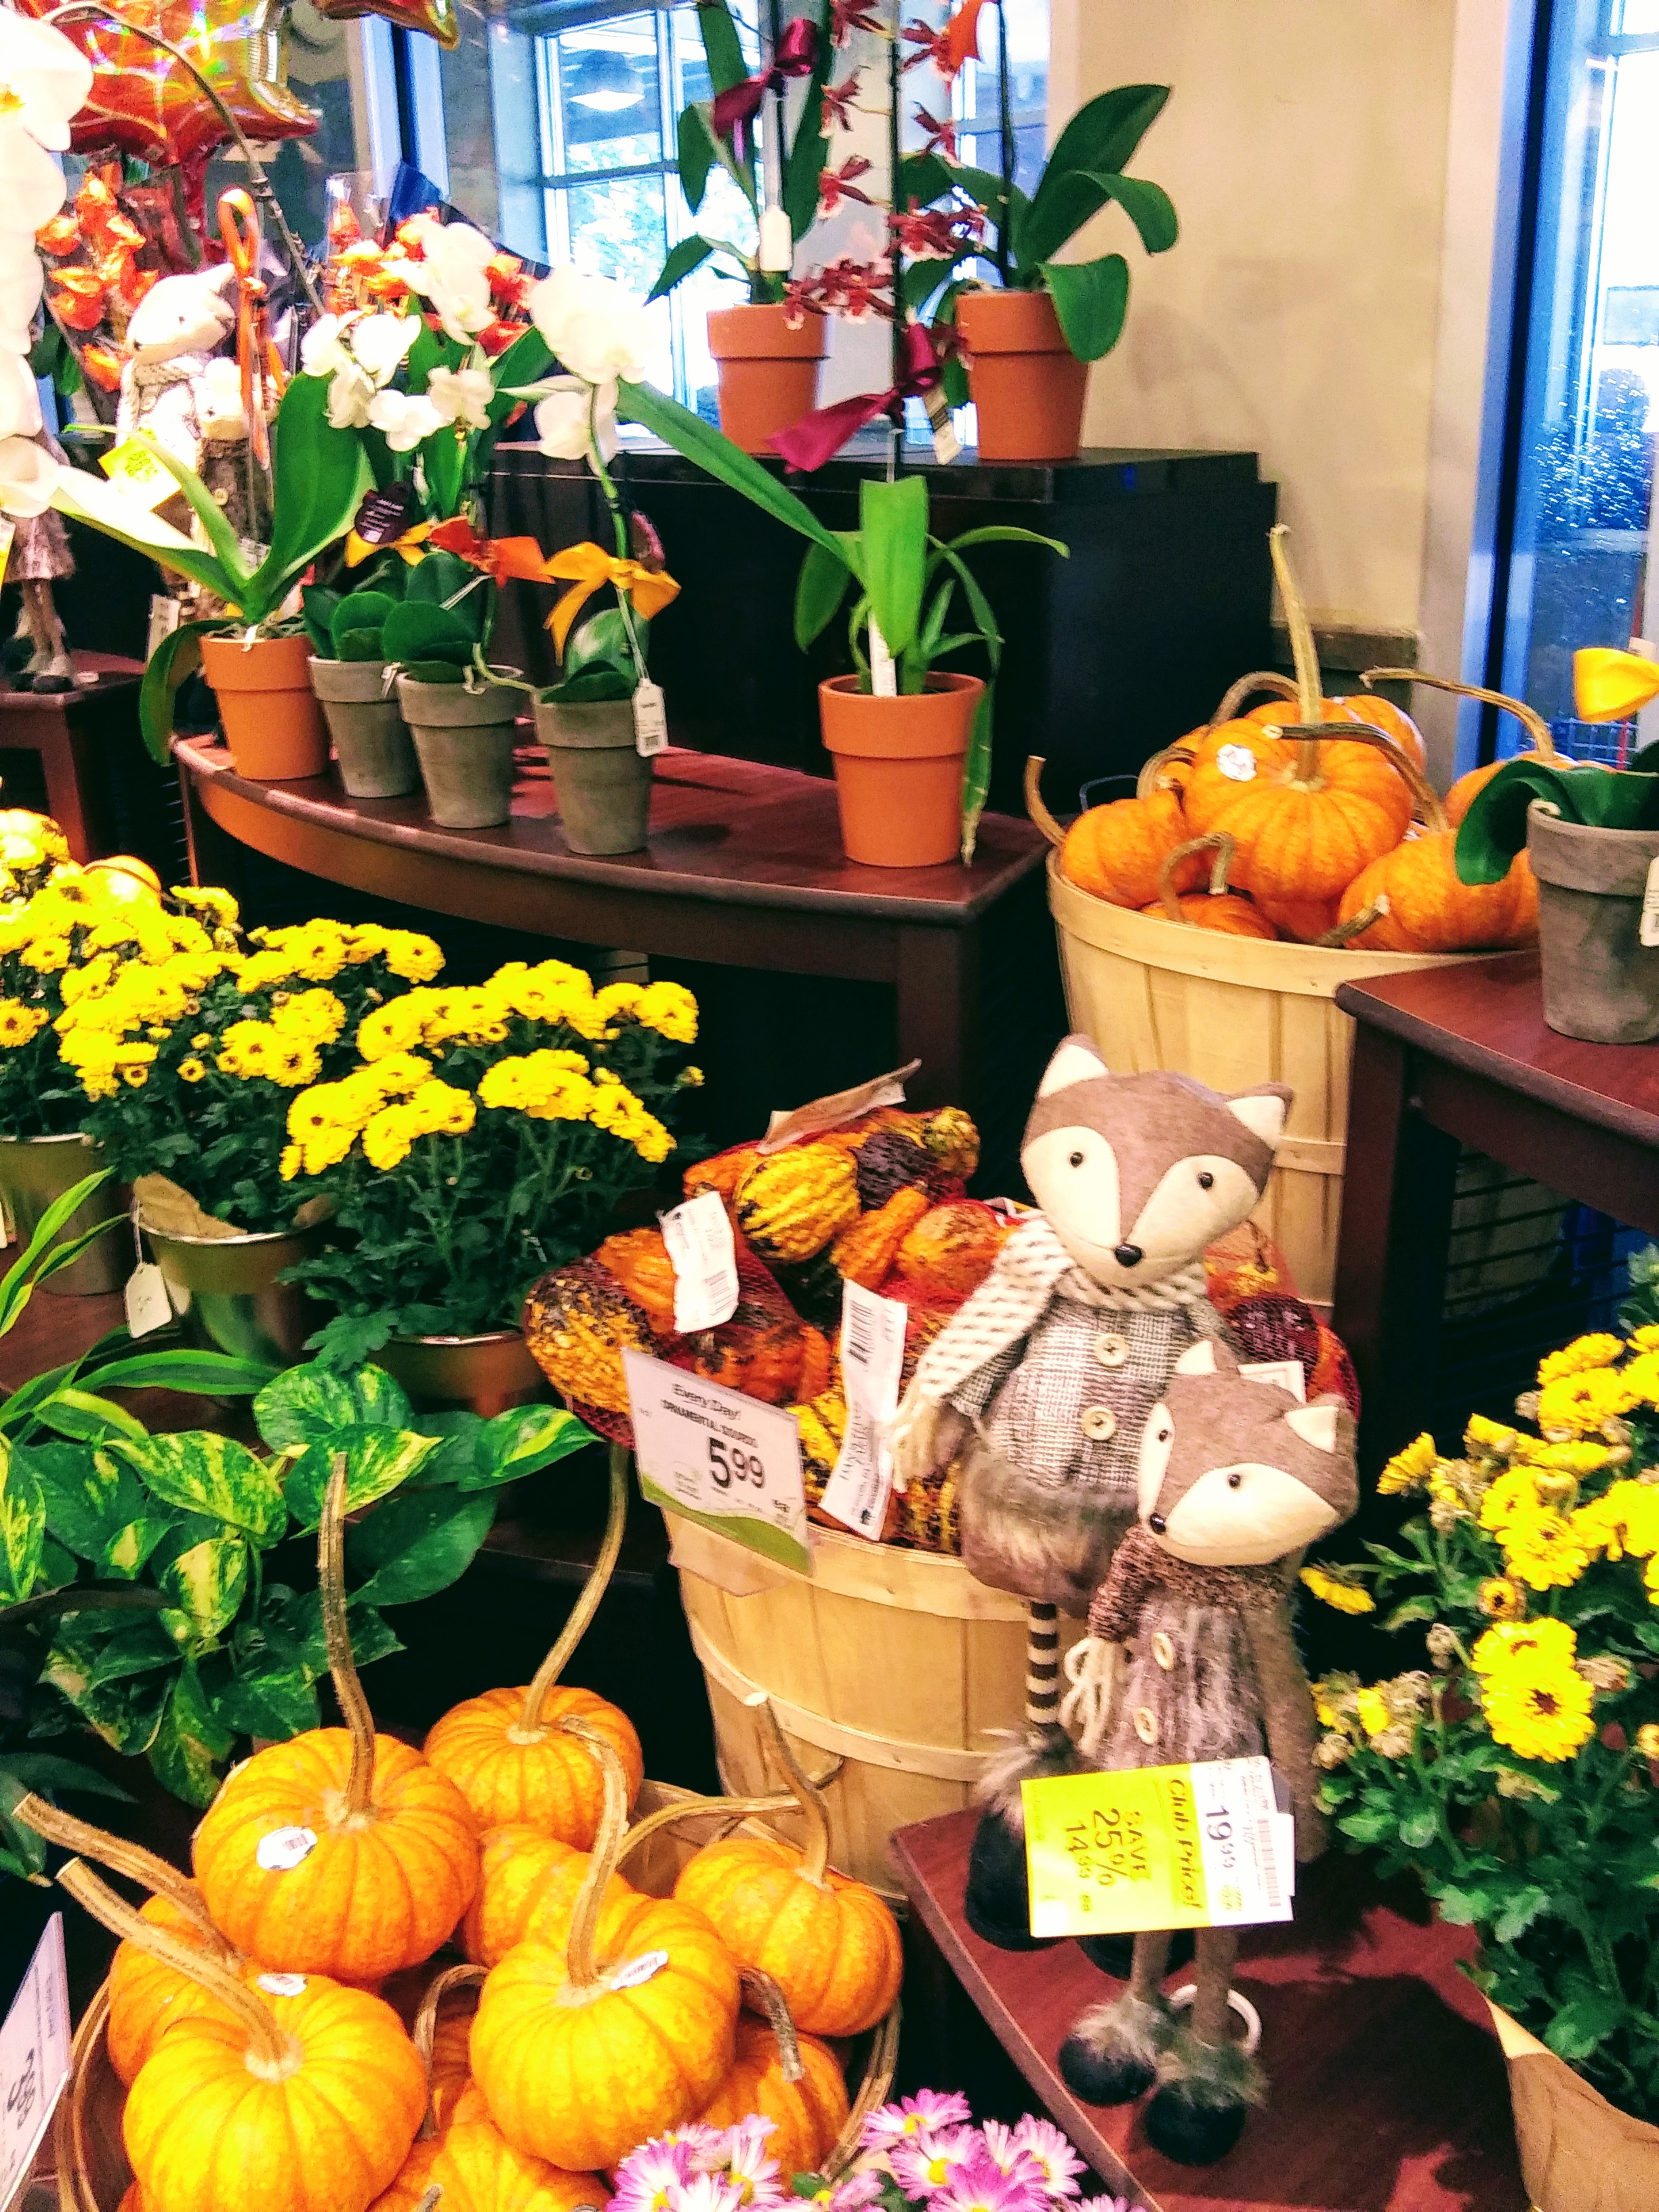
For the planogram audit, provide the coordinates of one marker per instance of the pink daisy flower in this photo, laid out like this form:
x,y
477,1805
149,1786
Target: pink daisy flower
x,y
857,2189
747,2163
648,2177
982,2186
707,2192
927,2162
1009,2155
1060,2164
704,2146
929,2109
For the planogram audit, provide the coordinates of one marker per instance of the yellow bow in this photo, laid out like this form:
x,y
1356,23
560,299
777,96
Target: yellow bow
x,y
411,545
588,567
1609,686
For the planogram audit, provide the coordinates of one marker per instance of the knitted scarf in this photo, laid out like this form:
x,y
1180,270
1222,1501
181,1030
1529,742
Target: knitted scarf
x,y
1033,1268
1141,1565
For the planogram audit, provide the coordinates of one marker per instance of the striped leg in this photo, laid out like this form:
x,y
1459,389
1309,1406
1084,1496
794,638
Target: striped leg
x,y
1042,1666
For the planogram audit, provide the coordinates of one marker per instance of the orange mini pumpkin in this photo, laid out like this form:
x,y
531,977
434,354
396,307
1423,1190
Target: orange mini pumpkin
x,y
479,2171
808,2112
342,1852
1215,907
1462,794
530,1885
830,1944
508,1751
1414,902
1113,851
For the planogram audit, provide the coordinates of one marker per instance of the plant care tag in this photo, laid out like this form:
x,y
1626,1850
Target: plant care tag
x,y
35,2057
645,1968
775,249
282,1985
704,1254
1236,762
8,532
1288,1374
871,1358
382,516
1650,927
947,446
1199,1846
146,1299
139,474
282,1849
719,1458
884,674
650,719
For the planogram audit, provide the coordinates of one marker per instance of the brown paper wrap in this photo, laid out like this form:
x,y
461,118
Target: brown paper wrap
x,y
1578,2153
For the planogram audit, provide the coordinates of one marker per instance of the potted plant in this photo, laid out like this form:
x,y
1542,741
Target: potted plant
x,y
1517,1775
357,683
460,715
482,1136
912,742
765,359
189,1065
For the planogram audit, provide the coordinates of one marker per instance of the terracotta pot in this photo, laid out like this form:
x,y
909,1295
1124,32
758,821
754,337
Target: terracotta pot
x,y
1027,384
1578,2153
372,745
603,783
34,1170
1599,980
898,768
465,742
484,1374
225,1292
769,373
272,721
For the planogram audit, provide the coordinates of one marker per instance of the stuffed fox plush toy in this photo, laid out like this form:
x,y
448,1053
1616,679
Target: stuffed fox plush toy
x,y
1040,1386
1236,1477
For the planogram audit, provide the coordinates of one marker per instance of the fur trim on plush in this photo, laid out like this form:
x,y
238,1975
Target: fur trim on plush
x,y
1032,1754
1210,2073
1126,2027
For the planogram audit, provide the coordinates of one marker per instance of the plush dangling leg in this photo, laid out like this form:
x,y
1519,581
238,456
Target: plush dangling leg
x,y
1208,2081
1113,2051
50,667
997,1905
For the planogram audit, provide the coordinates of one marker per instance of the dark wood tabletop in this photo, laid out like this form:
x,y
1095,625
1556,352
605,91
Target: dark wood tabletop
x,y
1387,2087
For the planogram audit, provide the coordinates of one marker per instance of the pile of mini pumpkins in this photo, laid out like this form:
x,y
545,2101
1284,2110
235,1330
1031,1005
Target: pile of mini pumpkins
x,y
1246,828
261,2067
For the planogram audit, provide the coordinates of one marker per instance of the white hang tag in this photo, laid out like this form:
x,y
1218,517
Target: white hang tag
x,y
1288,1374
871,1361
645,1968
35,2057
145,1298
1650,929
884,673
946,445
699,1243
791,1124
282,1985
284,1848
775,250
650,719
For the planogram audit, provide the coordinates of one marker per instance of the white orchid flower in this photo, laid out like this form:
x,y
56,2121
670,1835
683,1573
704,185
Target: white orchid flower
x,y
405,419
453,276
44,79
349,397
462,395
20,397
321,349
22,279
32,187
574,417
597,329
380,342
28,476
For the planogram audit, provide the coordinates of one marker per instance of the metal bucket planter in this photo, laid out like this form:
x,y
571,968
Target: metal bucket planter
x,y
1599,980
464,741
225,1292
34,1170
371,744
603,783
484,1374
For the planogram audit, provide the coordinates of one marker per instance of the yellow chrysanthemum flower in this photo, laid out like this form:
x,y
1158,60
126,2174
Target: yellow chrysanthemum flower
x,y
415,958
1645,1338
1538,1711
1625,1518
48,954
1584,1401
1544,1553
19,1023
1513,1496
671,1009
548,1086
387,1138
1641,1378
288,1165
1598,1350
440,1110
392,1028
191,1068
1333,1589
1410,1468
1372,1708
220,908
1529,1642
316,1016
1500,1599
325,1149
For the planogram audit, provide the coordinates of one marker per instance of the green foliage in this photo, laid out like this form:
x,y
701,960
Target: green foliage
x,y
1495,828
600,664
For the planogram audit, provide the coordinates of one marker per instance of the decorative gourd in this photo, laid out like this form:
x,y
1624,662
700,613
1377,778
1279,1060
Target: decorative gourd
x,y
639,1260
950,1135
530,1885
822,1425
584,2048
889,1161
1113,851
316,2091
831,1944
578,1321
816,1362
478,2171
1215,907
763,1363
1411,901
508,1751
953,1248
722,1172
864,1252
342,1852
790,1205
794,2081
1461,796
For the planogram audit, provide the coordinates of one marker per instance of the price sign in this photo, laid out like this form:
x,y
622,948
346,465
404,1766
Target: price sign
x,y
719,1458
35,2057
139,474
1199,1846
650,719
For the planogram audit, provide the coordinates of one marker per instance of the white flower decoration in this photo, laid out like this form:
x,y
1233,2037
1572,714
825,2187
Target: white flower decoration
x,y
349,397
45,75
568,420
462,395
598,330
452,274
32,187
321,350
380,342
28,476
21,282
405,419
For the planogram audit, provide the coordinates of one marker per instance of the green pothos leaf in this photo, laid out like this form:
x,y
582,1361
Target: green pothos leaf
x,y
377,1461
22,1528
305,1405
212,1475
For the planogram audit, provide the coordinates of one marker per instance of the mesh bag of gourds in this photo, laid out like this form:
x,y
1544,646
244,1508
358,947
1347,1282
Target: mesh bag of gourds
x,y
881,1201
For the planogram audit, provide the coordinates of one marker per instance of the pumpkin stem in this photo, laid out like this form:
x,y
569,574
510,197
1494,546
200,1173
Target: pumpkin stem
x,y
530,1715
426,2027
1356,925
1150,779
431,2202
735,1809
1224,847
273,2053
336,1637
764,1996
581,1966
879,2068
1304,652
808,1795
1311,735
131,1860
1528,717
1264,679
1034,801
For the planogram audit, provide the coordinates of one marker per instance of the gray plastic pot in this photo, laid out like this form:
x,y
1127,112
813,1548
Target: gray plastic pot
x,y
603,784
464,743
1599,980
371,741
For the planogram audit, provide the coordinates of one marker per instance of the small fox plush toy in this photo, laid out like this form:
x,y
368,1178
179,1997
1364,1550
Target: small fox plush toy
x,y
1236,1477
1041,1385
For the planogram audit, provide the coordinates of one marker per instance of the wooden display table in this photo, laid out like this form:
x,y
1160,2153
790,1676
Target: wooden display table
x,y
72,734
745,869
1461,1056
1388,2092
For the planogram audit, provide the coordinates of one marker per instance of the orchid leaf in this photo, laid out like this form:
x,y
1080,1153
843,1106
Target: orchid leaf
x,y
178,655
1091,299
1495,828
86,498
699,442
226,545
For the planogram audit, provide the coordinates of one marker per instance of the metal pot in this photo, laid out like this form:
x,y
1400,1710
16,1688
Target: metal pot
x,y
225,1292
484,1374
34,1170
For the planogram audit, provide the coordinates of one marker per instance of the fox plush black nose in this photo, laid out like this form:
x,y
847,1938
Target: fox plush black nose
x,y
1128,1256
1158,1525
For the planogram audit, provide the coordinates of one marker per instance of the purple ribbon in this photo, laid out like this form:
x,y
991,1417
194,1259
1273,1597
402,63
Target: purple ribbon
x,y
817,438
736,108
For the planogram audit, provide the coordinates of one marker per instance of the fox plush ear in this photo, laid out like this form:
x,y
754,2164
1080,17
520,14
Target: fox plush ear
x,y
1316,1424
1076,1060
1262,1111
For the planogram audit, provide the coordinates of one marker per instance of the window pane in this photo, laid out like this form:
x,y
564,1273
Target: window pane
x,y
616,229
606,95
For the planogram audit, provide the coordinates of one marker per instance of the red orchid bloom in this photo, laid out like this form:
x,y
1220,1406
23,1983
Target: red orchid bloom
x,y
846,16
843,286
835,185
936,234
941,136
927,45
839,101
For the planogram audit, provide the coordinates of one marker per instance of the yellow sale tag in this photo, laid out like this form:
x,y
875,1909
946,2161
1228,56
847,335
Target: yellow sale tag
x,y
139,475
1200,1846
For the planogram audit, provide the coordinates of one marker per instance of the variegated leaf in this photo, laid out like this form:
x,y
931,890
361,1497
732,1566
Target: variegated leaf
x,y
211,1475
377,1461
308,1405
207,1584
22,1528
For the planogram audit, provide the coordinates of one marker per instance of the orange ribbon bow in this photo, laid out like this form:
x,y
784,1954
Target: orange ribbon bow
x,y
256,352
501,557
588,568
1609,686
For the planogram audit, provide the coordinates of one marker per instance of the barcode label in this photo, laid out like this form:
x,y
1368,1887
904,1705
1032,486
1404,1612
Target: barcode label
x,y
704,1257
650,719
1248,1845
872,1362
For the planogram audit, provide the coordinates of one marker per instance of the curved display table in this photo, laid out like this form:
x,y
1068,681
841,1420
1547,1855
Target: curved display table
x,y
744,870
